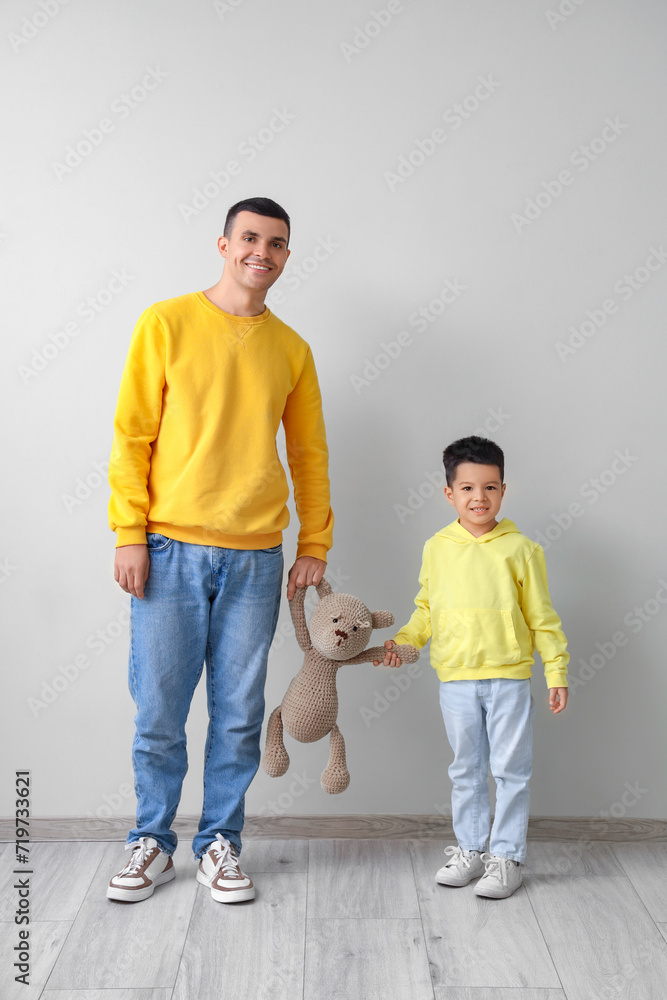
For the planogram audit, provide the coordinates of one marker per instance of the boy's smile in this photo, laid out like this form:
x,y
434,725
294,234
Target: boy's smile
x,y
476,494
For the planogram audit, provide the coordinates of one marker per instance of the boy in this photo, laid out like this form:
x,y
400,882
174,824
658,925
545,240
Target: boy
x,y
484,603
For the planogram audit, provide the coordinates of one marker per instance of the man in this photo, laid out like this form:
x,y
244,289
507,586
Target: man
x,y
198,507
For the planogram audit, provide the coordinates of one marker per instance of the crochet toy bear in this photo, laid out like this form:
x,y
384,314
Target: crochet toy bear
x,y
340,627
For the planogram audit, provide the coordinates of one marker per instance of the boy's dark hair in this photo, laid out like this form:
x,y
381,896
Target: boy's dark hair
x,y
260,206
472,449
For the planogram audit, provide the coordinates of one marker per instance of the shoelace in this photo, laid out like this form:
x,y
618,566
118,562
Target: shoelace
x,y
226,860
456,856
139,852
496,866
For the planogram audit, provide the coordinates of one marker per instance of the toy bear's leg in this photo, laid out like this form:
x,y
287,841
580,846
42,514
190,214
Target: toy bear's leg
x,y
336,777
276,758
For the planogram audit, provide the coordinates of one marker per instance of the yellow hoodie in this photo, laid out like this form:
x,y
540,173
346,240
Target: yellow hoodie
x,y
194,454
484,603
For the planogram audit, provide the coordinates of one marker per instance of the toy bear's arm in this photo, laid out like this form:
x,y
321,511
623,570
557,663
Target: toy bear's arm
x,y
298,614
407,654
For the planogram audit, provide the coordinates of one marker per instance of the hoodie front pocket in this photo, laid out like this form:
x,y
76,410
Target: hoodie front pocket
x,y
478,637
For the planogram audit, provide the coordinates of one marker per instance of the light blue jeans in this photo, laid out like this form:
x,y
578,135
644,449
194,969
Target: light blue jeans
x,y
201,603
490,722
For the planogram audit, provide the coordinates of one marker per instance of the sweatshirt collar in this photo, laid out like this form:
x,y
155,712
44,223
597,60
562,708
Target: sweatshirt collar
x,y
457,533
230,317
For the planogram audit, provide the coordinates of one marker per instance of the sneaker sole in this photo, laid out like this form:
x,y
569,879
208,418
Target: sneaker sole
x,y
489,894
226,895
136,895
442,880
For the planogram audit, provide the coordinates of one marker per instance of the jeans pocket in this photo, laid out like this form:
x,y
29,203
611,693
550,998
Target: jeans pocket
x,y
273,551
156,542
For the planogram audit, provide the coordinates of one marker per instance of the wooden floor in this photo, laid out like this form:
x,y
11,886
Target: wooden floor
x,y
344,920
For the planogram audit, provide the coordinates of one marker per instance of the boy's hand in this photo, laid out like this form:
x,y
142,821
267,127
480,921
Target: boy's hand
x,y
131,568
557,699
390,658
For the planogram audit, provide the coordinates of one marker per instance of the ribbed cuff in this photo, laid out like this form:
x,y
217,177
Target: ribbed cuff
x,y
556,680
130,536
312,549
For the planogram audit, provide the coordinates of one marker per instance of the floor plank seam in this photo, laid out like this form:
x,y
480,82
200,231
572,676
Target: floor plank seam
x,y
185,941
305,925
546,943
72,922
636,892
421,919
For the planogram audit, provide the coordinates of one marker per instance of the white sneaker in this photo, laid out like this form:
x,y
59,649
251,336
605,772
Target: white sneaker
x,y
501,877
147,868
219,870
462,867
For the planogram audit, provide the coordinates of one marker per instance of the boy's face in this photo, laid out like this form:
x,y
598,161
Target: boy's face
x,y
476,493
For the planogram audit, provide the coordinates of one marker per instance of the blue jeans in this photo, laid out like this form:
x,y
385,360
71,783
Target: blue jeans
x,y
490,722
201,603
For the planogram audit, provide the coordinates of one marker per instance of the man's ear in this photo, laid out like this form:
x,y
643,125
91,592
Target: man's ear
x,y
223,246
382,619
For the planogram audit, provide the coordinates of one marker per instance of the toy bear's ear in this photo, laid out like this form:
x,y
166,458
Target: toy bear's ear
x,y
382,619
323,588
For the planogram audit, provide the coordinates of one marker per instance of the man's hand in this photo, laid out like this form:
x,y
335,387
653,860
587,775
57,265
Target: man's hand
x,y
557,699
306,570
390,658
131,567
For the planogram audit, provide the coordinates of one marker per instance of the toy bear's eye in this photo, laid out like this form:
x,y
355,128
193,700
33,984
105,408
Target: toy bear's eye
x,y
354,628
335,619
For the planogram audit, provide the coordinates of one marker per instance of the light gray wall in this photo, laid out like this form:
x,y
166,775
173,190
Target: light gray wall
x,y
338,108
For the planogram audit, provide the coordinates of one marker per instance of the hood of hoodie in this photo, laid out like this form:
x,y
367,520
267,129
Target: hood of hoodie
x,y
456,533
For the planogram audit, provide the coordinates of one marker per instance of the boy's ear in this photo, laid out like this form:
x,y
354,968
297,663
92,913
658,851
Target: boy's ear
x,y
448,493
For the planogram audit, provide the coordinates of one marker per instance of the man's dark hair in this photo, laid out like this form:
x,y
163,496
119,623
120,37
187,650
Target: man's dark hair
x,y
472,449
260,206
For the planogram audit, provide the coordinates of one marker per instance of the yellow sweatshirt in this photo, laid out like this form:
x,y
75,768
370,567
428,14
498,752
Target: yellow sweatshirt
x,y
484,603
194,453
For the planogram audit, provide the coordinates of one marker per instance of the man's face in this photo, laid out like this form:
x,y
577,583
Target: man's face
x,y
256,252
476,494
